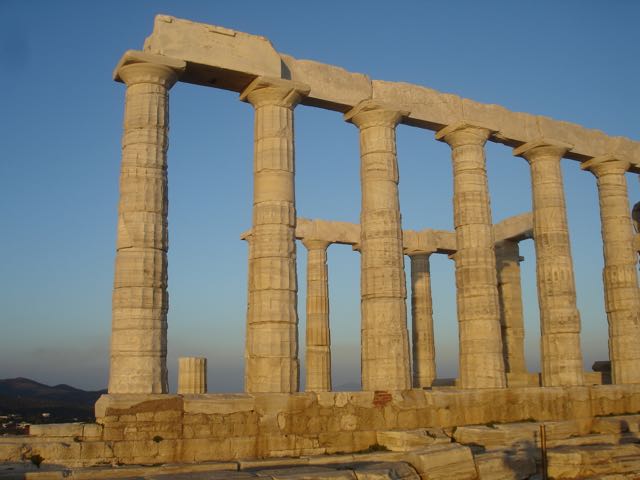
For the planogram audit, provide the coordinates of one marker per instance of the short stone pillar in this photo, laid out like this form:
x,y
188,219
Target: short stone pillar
x,y
192,375
384,337
140,298
481,362
511,312
424,352
622,298
561,355
271,352
318,337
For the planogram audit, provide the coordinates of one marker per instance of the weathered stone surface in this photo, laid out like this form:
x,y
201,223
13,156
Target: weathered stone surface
x,y
480,352
561,356
221,57
444,462
140,298
505,465
192,375
318,337
616,424
589,461
271,351
511,311
422,337
384,339
406,440
620,278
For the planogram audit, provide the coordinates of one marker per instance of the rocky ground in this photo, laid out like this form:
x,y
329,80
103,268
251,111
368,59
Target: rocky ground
x,y
610,450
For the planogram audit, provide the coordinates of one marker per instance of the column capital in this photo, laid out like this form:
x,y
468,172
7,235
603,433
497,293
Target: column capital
x,y
416,252
606,164
141,67
464,133
542,148
508,249
274,91
371,113
315,243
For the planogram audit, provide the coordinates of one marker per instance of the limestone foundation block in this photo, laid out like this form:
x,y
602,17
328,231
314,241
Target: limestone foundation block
x,y
561,356
384,337
481,357
444,462
591,461
192,375
622,297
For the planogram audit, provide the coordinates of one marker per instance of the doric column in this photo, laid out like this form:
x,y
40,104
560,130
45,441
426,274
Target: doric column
x,y
424,353
481,364
511,312
271,355
561,356
192,375
384,340
318,338
140,299
622,299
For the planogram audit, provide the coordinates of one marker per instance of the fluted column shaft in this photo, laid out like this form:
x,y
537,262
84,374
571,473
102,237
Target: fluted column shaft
x,y
424,353
622,298
511,311
384,339
561,355
140,299
481,363
192,375
318,338
271,355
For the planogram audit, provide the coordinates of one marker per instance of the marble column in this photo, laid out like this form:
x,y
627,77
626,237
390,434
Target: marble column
x,y
318,338
192,375
424,353
622,298
271,358
511,311
561,355
384,339
481,363
140,299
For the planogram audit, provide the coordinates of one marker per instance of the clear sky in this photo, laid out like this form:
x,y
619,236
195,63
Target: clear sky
x,y
60,128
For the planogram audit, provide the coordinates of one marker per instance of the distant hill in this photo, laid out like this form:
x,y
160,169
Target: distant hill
x,y
30,399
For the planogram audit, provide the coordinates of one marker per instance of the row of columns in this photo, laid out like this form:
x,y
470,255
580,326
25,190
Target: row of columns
x,y
138,349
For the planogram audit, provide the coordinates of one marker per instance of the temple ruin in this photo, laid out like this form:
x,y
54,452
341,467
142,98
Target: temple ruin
x,y
273,418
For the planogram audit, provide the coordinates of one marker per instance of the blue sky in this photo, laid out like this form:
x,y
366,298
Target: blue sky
x,y
60,128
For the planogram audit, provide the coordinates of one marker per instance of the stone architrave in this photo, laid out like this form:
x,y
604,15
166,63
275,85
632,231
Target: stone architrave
x,y
481,362
318,337
424,353
385,361
140,298
622,298
192,375
511,312
561,356
271,355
